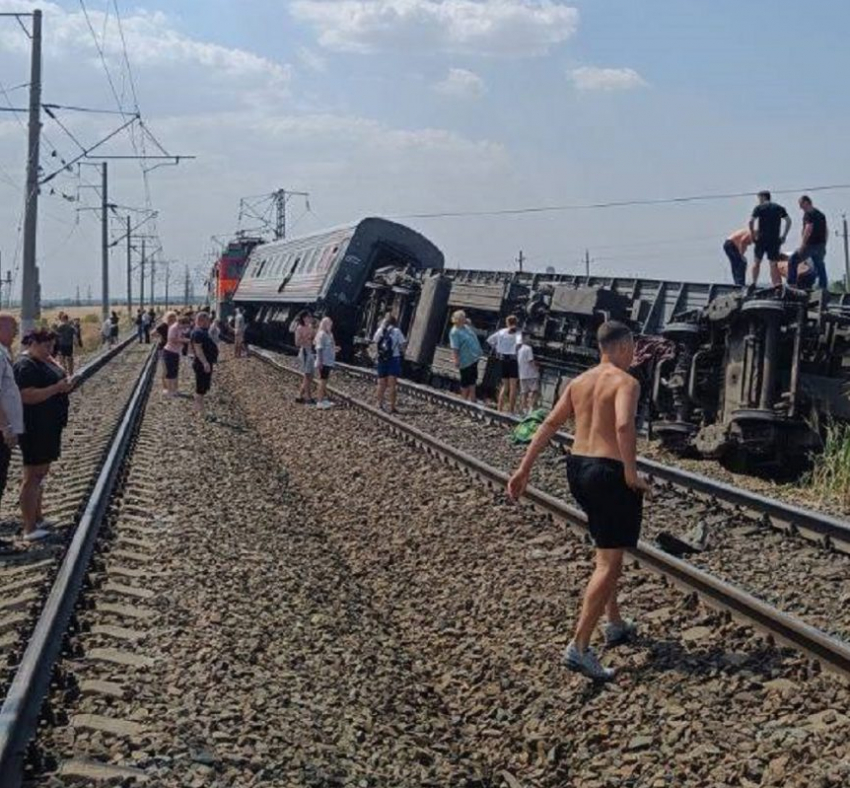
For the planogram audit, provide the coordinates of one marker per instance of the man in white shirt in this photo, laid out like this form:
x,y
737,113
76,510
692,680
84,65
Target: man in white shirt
x,y
11,407
238,332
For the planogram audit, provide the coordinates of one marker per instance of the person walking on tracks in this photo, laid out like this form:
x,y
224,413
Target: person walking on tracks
x,y
325,360
735,247
812,245
603,478
765,228
390,343
65,335
44,393
205,352
304,333
140,325
11,407
466,350
504,343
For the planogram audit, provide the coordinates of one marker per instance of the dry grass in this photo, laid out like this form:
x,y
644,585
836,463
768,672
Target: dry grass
x,y
90,322
830,475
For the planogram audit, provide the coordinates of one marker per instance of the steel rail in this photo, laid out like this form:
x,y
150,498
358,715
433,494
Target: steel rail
x,y
831,531
785,628
20,711
95,363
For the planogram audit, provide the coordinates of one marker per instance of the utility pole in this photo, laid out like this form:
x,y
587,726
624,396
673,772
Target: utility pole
x,y
129,269
167,282
587,263
186,288
153,281
142,277
88,295
846,254
77,301
104,242
29,281
520,259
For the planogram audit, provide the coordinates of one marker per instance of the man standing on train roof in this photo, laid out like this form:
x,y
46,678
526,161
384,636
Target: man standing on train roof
x,y
812,245
767,235
603,478
735,247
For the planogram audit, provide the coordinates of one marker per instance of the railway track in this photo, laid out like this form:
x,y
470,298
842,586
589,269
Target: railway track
x,y
726,594
40,583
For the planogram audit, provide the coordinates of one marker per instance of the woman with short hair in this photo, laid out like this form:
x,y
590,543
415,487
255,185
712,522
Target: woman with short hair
x,y
44,393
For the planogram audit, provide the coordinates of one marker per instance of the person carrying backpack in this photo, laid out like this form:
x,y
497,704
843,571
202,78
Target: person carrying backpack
x,y
205,352
390,343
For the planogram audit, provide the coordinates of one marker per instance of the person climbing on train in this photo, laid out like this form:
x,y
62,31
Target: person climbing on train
x,y
764,226
390,343
466,350
603,479
504,343
325,360
304,334
812,244
735,247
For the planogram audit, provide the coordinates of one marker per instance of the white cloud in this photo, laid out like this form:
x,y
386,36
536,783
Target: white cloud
x,y
593,78
152,41
491,27
460,83
312,60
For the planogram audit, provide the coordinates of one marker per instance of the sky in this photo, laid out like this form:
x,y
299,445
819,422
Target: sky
x,y
401,108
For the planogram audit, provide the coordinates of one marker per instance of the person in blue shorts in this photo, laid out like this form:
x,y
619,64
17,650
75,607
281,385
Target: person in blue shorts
x,y
390,343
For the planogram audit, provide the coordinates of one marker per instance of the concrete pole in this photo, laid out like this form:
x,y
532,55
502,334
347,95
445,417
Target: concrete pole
x,y
104,243
29,279
129,271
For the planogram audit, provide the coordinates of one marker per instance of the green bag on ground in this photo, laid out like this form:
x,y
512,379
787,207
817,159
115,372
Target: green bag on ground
x,y
524,431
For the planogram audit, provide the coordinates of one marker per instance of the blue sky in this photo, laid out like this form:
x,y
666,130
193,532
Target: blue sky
x,y
396,107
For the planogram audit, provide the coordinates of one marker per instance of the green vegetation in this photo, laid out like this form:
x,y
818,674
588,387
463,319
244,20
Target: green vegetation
x,y
830,475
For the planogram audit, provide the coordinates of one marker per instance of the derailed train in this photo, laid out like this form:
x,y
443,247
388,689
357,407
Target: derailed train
x,y
725,373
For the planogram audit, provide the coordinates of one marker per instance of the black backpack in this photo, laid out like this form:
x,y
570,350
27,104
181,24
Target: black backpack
x,y
385,344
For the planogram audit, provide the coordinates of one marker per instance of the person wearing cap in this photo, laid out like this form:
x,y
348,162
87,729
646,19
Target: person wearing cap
x,y
44,393
11,407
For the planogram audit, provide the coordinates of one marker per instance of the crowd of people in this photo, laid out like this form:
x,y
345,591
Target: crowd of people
x,y
766,231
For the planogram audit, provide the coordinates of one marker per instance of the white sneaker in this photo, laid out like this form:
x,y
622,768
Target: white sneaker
x,y
325,404
36,536
586,662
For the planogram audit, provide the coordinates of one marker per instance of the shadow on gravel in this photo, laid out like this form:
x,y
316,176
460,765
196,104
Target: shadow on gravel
x,y
670,656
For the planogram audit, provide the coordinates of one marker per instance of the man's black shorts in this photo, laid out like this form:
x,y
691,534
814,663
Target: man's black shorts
x,y
769,247
325,372
203,380
5,458
469,375
65,350
508,368
614,511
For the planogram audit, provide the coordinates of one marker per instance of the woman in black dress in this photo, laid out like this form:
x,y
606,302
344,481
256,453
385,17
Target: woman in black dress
x,y
44,392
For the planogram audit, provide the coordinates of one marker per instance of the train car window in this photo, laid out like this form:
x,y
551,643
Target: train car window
x,y
327,255
314,260
261,267
307,264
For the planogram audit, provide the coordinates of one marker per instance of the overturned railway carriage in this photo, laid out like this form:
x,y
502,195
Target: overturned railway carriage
x,y
327,272
725,373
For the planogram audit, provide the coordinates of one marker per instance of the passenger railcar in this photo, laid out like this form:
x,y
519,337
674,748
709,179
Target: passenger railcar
x,y
227,273
327,272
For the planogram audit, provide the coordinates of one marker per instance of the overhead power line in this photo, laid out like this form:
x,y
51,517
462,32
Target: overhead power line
x,y
615,203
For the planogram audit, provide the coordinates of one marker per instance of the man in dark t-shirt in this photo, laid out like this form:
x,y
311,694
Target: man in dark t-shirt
x,y
812,245
767,235
205,352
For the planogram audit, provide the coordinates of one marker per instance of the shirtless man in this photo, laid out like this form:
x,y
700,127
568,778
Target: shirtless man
x,y
603,478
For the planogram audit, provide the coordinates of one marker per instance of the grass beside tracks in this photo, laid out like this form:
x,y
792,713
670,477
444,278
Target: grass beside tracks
x,y
830,474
